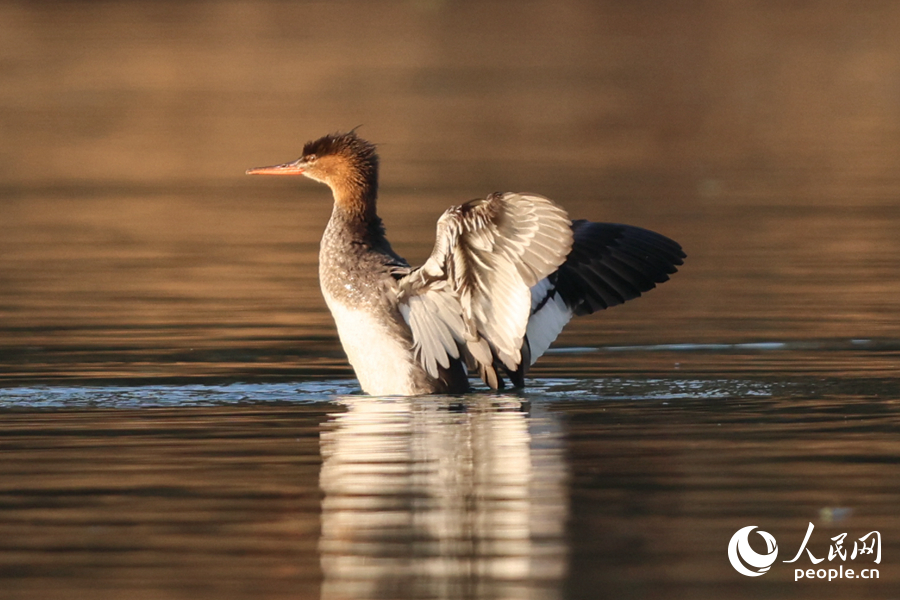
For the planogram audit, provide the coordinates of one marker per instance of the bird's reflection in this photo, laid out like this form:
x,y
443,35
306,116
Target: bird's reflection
x,y
440,498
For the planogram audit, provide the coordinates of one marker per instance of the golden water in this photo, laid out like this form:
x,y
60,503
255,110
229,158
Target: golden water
x,y
176,416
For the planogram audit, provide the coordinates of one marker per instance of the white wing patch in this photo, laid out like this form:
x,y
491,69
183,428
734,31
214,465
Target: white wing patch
x,y
473,296
550,314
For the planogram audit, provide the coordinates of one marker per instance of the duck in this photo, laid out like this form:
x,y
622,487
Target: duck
x,y
507,273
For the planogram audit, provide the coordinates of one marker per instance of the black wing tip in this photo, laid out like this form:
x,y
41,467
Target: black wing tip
x,y
612,263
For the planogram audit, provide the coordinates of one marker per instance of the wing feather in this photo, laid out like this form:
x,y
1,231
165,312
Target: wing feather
x,y
609,264
473,294
436,324
512,269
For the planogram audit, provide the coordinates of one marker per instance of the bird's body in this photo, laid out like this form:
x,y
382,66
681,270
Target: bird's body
x,y
506,274
357,274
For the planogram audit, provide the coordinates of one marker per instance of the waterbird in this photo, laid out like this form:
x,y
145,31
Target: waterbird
x,y
506,274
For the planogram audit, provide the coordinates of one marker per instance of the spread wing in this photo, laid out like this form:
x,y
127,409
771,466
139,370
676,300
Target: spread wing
x,y
609,264
472,297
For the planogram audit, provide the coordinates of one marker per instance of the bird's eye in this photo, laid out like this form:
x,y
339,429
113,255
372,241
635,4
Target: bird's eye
x,y
309,159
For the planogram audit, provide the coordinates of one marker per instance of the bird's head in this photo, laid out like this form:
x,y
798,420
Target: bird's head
x,y
344,162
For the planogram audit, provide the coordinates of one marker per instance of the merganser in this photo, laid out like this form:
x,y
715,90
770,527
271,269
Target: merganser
x,y
507,273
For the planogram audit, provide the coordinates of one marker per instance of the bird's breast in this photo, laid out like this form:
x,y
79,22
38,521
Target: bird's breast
x,y
379,353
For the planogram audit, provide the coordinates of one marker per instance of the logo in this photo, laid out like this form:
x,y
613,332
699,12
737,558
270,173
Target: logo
x,y
752,564
740,552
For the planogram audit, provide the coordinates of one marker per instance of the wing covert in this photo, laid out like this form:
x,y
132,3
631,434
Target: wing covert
x,y
472,297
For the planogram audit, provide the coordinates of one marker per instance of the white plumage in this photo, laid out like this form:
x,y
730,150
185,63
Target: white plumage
x,y
550,314
473,296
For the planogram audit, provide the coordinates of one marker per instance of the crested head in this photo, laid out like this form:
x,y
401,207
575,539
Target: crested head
x,y
347,145
344,162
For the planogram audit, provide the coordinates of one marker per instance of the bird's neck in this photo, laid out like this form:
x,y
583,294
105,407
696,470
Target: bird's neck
x,y
354,218
356,204
356,193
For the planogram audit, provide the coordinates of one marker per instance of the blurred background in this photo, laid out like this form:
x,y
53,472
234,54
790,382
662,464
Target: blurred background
x,y
763,136
758,386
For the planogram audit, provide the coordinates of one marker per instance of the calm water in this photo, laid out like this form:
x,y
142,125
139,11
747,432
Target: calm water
x,y
176,416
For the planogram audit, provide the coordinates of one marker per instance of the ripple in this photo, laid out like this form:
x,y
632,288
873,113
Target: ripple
x,y
651,389
342,391
150,396
795,345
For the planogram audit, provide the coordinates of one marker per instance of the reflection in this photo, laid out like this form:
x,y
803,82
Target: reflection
x,y
430,497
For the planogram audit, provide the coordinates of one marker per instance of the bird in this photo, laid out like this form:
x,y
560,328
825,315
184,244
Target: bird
x,y
506,274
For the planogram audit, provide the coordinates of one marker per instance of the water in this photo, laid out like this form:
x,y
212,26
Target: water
x,y
177,419
629,486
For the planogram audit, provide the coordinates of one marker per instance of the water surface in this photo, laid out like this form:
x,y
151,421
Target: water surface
x,y
629,486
